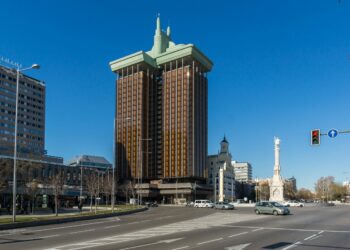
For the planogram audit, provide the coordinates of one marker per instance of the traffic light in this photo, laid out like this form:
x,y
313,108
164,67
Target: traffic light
x,y
315,137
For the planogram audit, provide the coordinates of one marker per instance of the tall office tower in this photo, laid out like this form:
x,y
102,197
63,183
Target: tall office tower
x,y
31,115
162,111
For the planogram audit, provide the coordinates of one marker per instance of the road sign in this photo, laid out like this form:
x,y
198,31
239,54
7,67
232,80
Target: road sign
x,y
333,133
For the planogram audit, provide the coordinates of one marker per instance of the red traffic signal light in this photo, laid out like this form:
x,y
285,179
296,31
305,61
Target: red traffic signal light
x,y
315,137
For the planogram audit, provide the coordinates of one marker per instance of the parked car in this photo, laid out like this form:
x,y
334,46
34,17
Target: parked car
x,y
203,203
270,207
151,204
224,205
294,204
190,204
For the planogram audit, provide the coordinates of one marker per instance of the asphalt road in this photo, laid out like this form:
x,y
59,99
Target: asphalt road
x,y
178,228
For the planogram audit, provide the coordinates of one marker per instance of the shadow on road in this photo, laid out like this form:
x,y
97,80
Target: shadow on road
x,y
283,244
12,241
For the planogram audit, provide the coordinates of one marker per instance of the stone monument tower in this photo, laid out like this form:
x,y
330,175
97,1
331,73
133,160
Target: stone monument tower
x,y
276,184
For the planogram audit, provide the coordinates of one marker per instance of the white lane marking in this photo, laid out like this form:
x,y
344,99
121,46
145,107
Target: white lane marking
x,y
209,221
49,236
163,217
237,247
113,219
290,229
318,236
136,222
258,229
234,235
154,243
111,226
179,248
131,223
320,232
54,228
209,241
310,237
12,231
291,246
83,231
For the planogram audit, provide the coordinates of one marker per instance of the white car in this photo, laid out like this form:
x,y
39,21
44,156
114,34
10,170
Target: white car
x,y
203,203
294,204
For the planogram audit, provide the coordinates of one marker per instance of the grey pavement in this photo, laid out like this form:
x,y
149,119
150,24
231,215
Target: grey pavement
x,y
178,228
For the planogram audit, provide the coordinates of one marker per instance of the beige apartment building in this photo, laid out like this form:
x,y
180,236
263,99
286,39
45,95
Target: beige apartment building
x,y
31,115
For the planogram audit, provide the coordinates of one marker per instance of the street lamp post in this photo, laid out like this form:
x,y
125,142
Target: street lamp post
x,y
81,182
14,192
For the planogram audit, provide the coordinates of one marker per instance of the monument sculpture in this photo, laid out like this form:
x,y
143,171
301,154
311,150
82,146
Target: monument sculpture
x,y
276,183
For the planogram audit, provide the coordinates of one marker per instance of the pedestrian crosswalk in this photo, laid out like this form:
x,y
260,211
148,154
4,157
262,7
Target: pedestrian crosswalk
x,y
213,220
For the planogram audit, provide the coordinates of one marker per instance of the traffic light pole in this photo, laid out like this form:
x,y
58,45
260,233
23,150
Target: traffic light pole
x,y
339,132
316,135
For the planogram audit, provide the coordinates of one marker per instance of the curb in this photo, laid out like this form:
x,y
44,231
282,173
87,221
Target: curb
x,y
65,220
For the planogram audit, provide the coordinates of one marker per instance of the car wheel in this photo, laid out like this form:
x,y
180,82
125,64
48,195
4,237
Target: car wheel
x,y
275,213
257,211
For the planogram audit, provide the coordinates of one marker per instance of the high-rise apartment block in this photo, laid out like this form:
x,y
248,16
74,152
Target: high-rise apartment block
x,y
31,115
162,111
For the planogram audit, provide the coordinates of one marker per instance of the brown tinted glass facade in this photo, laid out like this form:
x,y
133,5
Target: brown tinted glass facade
x,y
161,120
135,123
184,119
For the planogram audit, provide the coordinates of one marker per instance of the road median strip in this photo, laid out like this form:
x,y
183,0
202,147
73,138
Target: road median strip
x,y
6,223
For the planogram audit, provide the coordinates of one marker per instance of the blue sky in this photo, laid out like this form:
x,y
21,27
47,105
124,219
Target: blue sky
x,y
281,68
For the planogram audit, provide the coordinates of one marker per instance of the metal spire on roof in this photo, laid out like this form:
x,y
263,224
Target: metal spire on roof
x,y
159,29
168,31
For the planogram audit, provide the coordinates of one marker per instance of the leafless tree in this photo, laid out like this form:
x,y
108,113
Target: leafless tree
x,y
6,173
92,187
305,194
28,180
264,190
289,192
338,191
131,188
33,190
107,186
323,187
57,183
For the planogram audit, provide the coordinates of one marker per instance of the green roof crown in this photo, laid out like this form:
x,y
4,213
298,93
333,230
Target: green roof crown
x,y
162,40
164,50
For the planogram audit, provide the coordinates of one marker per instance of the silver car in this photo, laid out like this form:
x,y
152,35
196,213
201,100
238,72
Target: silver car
x,y
270,207
224,205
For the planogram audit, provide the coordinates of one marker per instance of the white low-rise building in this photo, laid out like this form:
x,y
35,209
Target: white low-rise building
x,y
214,163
